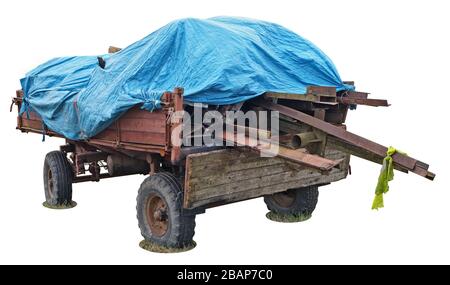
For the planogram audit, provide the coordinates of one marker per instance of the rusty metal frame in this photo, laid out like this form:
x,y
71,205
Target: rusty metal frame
x,y
174,126
316,94
361,101
360,98
356,141
96,149
171,101
320,98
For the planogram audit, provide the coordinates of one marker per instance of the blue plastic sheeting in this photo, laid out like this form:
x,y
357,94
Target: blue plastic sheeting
x,y
217,61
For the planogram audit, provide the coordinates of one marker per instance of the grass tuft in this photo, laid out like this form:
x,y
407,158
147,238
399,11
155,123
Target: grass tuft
x,y
153,247
287,218
66,205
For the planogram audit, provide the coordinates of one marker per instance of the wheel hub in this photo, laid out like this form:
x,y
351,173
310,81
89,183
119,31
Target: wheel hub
x,y
50,182
160,215
157,215
284,199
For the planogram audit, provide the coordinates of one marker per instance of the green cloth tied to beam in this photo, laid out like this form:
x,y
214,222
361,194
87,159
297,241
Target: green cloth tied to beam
x,y
386,175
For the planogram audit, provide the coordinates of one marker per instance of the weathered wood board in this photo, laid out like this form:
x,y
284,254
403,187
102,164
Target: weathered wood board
x,y
231,175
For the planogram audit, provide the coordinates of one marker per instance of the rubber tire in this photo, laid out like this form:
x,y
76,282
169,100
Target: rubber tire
x,y
304,204
181,228
62,176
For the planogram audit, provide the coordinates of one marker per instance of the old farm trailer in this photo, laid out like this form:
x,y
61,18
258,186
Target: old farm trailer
x,y
182,182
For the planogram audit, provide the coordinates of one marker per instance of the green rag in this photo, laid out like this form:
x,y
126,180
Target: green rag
x,y
386,175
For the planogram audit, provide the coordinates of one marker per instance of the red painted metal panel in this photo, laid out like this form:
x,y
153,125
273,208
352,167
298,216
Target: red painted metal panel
x,y
144,125
143,137
141,129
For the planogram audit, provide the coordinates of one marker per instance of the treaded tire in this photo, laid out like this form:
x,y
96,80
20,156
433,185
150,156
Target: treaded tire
x,y
301,201
178,228
58,176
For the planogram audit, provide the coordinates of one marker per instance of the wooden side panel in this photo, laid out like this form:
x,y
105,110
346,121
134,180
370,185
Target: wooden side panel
x,y
235,174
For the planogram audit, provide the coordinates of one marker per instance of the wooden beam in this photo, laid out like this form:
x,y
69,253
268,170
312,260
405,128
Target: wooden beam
x,y
298,155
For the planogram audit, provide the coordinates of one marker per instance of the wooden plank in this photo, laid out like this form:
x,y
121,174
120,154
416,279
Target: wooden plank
x,y
266,190
239,155
230,164
215,155
246,178
252,179
306,159
225,176
298,155
233,160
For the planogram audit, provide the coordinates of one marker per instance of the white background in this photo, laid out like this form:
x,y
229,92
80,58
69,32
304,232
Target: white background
x,y
398,50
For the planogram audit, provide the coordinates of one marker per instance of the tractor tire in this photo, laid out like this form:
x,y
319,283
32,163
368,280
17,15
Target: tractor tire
x,y
160,214
297,202
58,176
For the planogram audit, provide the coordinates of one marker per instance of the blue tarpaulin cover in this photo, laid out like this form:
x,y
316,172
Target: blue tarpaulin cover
x,y
219,61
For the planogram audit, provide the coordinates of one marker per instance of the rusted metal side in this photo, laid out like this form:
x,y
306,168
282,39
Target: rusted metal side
x,y
401,160
356,94
232,175
360,98
315,94
174,133
31,121
137,130
361,101
137,126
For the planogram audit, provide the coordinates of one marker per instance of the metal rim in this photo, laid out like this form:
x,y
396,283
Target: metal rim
x,y
50,183
284,199
157,215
